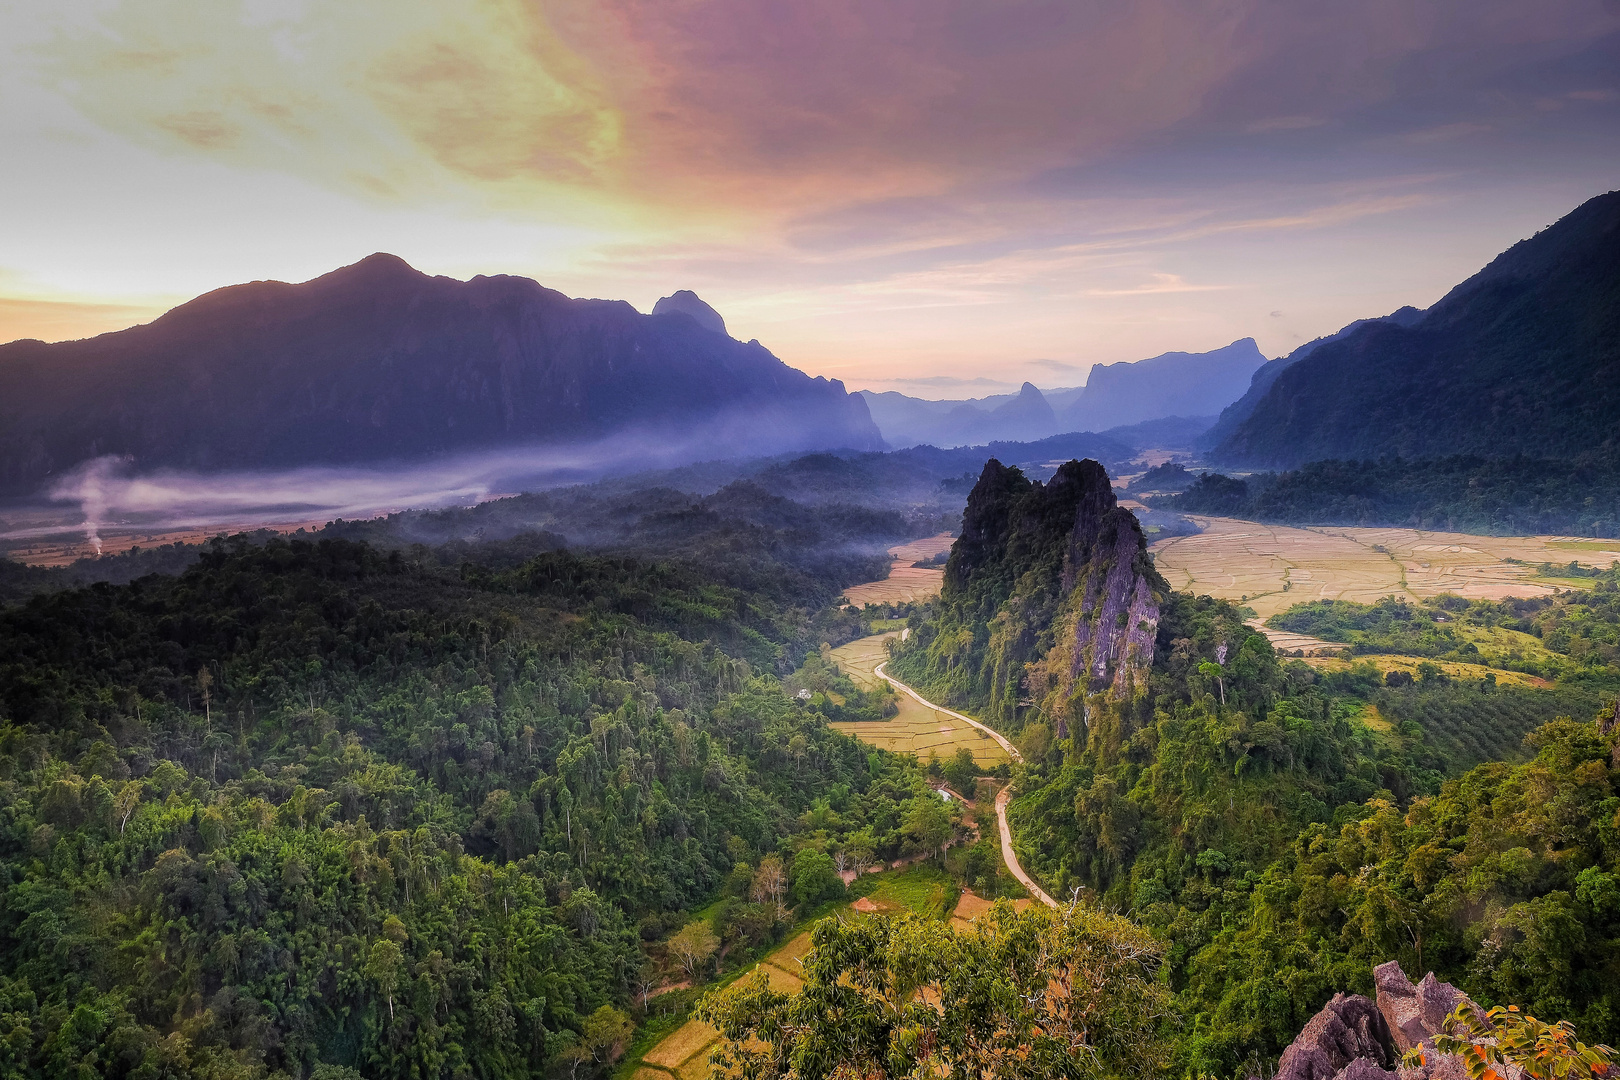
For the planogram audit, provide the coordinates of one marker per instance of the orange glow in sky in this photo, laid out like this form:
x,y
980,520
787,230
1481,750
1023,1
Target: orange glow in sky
x,y
906,195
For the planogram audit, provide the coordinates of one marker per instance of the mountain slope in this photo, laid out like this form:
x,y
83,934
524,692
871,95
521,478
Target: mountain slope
x,y
1265,377
1173,384
1522,358
377,361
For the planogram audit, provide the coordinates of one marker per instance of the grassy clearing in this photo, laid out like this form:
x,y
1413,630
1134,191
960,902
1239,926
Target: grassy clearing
x,y
1375,719
1610,548
675,1051
922,889
916,729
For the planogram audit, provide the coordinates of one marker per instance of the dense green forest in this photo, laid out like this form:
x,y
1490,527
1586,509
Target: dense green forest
x,y
314,805
430,795
1281,828
1503,496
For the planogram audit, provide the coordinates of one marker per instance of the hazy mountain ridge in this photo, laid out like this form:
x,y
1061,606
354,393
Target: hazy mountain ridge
x,y
1177,385
378,362
1170,384
1521,358
909,421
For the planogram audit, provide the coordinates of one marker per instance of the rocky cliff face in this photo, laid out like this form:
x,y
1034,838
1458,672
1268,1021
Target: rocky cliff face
x,y
1107,568
1354,1038
1049,596
378,362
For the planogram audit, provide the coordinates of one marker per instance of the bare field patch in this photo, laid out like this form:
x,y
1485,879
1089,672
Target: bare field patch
x,y
71,545
698,1068
905,582
1273,567
780,979
859,658
788,956
690,1038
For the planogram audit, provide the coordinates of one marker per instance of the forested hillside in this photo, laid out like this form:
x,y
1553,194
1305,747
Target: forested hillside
x,y
312,805
1522,358
1502,496
1282,828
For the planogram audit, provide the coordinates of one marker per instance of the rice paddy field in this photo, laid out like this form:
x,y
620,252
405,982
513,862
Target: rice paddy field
x,y
905,582
917,729
1273,567
684,1054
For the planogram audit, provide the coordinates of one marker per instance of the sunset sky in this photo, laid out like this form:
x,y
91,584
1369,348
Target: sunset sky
x,y
946,198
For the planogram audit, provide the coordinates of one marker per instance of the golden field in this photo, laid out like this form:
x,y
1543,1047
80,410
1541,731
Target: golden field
x,y
905,582
917,729
1271,568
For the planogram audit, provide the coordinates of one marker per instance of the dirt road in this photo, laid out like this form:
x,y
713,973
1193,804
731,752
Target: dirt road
x,y
1002,799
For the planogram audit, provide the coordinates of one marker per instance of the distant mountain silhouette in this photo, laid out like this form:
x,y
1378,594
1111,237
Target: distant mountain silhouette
x,y
1173,384
377,361
908,421
1523,357
1165,433
687,302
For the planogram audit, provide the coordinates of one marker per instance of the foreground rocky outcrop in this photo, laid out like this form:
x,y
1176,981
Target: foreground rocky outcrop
x,y
1356,1038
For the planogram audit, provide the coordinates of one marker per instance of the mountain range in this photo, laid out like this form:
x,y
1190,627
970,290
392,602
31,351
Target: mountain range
x,y
1521,358
1190,387
1171,384
379,362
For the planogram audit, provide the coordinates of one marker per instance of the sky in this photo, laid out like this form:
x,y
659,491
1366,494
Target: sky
x,y
937,196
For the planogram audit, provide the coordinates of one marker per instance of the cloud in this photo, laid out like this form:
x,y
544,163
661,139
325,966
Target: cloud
x,y
1446,132
109,494
738,108
861,186
1161,283
1061,367
1284,123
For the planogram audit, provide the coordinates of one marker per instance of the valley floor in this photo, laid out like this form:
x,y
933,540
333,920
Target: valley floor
x,y
1270,568
905,582
919,728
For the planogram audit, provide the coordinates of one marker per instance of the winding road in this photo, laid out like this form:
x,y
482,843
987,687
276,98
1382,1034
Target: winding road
x,y
1002,798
